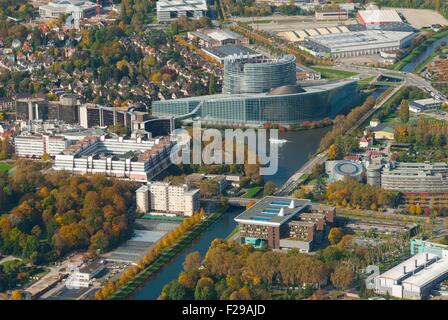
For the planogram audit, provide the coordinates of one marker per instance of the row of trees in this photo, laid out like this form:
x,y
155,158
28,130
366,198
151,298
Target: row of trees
x,y
238,272
351,193
58,213
341,124
110,287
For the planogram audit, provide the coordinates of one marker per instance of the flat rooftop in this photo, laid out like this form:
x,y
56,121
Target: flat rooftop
x,y
424,102
360,38
419,270
230,50
181,5
379,16
272,211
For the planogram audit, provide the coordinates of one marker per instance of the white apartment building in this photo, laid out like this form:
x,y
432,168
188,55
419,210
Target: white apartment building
x,y
131,159
77,8
166,198
38,145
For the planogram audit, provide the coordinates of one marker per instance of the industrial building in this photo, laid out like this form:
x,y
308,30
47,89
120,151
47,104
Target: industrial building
x,y
415,277
258,91
76,8
133,159
35,146
284,223
424,105
367,17
351,44
210,38
339,169
162,198
170,10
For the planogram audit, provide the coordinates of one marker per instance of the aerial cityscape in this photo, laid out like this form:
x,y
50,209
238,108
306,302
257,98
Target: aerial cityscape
x,y
223,150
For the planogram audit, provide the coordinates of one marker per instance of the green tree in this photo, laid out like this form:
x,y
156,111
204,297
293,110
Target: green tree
x,y
342,277
404,111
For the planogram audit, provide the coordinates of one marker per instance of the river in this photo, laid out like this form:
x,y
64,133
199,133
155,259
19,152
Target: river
x,y
292,155
219,229
411,66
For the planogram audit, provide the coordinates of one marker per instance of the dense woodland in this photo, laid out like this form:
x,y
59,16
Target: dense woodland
x,y
55,213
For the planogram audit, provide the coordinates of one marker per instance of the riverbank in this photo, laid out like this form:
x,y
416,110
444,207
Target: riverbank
x,y
166,256
411,61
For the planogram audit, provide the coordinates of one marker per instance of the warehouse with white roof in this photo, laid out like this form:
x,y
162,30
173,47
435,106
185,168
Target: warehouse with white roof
x,y
351,44
415,277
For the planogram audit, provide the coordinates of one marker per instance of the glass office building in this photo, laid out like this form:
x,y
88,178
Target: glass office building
x,y
248,74
285,105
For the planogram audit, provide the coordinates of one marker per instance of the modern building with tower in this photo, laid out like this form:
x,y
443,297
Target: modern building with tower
x,y
170,10
259,91
285,223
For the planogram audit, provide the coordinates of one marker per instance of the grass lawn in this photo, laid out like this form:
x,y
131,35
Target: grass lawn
x,y
5,167
333,74
252,192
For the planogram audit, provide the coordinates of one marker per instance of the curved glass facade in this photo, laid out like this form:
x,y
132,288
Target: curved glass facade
x,y
256,109
257,75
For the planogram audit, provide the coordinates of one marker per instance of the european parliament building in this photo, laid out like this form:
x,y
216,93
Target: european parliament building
x,y
257,91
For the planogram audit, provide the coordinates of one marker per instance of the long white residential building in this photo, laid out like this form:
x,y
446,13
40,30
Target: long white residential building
x,y
38,145
133,159
167,198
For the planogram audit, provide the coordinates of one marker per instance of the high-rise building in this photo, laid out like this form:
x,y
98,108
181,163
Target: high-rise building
x,y
166,198
257,74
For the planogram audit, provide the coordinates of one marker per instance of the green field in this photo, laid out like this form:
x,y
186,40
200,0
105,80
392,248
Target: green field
x,y
252,192
5,167
334,74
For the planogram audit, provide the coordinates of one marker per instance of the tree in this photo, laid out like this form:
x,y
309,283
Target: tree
x,y
269,188
192,262
333,152
335,235
404,111
205,290
16,295
176,291
342,277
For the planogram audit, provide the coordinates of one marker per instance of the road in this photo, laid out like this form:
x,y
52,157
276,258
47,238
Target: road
x,y
297,178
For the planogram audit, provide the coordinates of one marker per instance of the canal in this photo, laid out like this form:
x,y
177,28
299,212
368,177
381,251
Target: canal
x,y
411,66
219,229
292,155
